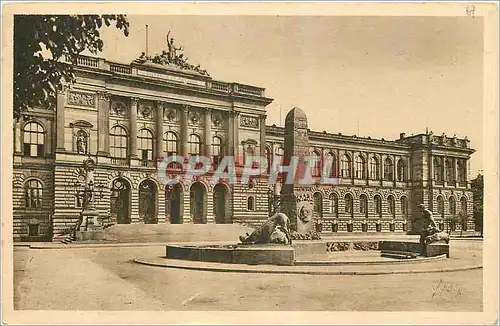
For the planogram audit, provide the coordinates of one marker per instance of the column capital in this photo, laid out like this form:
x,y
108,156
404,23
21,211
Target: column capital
x,y
104,96
186,108
160,104
134,101
235,114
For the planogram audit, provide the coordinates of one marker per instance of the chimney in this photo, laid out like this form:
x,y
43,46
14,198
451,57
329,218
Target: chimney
x,y
402,135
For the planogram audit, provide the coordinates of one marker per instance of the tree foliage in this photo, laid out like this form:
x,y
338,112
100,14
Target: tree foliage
x,y
45,50
477,186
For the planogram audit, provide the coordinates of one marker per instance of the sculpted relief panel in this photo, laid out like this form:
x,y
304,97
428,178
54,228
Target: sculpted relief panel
x,y
249,122
81,99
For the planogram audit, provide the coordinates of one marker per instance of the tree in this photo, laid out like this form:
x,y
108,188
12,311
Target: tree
x,y
45,50
477,186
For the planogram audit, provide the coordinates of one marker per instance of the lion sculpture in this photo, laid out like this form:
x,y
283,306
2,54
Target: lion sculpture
x,y
271,231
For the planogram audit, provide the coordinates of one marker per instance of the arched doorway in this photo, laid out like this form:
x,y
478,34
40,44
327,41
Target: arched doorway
x,y
147,202
198,199
221,203
120,201
173,203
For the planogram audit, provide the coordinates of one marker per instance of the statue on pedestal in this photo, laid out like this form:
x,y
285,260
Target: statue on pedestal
x,y
430,232
89,215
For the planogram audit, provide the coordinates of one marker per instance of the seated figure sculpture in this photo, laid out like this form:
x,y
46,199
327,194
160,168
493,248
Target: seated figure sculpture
x,y
262,234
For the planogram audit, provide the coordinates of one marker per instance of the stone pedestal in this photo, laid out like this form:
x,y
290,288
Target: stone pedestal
x,y
89,235
91,228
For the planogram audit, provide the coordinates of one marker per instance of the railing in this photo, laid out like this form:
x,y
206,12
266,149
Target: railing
x,y
245,89
220,86
121,69
87,61
149,164
119,161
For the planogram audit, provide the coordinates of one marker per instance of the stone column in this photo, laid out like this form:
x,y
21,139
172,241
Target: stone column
x,y
455,171
230,135
236,135
262,124
60,104
184,131
208,133
444,170
430,165
103,123
394,170
48,140
353,167
134,102
17,137
159,130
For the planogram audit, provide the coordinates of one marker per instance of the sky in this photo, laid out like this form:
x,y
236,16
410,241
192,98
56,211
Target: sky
x,y
369,76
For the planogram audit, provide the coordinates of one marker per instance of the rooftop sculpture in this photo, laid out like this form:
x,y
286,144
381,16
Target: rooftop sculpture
x,y
171,57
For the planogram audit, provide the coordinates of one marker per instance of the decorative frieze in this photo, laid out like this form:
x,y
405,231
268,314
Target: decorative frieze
x,y
81,99
249,122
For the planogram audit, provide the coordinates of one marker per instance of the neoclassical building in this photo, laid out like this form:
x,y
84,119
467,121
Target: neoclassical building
x,y
128,117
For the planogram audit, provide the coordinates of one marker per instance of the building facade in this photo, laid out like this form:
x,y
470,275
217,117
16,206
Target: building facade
x,y
129,117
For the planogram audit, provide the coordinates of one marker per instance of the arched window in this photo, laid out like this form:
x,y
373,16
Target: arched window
x,y
450,173
360,167
33,193
463,205
391,205
251,203
438,169
462,170
404,207
145,145
316,168
348,204
440,206
171,143
118,142
388,170
280,153
334,204
331,165
248,153
82,141
363,205
346,166
194,144
453,206
401,170
33,140
318,204
378,205
374,168
216,151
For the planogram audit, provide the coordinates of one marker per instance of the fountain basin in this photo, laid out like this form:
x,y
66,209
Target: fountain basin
x,y
265,254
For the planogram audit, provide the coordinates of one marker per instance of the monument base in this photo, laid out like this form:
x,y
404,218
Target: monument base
x,y
89,235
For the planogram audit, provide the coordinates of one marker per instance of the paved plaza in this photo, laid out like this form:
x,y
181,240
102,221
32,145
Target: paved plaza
x,y
106,278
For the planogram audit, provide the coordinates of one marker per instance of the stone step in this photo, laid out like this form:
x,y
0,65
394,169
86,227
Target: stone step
x,y
397,256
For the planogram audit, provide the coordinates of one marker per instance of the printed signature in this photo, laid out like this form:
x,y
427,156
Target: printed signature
x,y
446,288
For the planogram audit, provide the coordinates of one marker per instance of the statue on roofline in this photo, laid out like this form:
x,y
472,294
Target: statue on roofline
x,y
171,56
